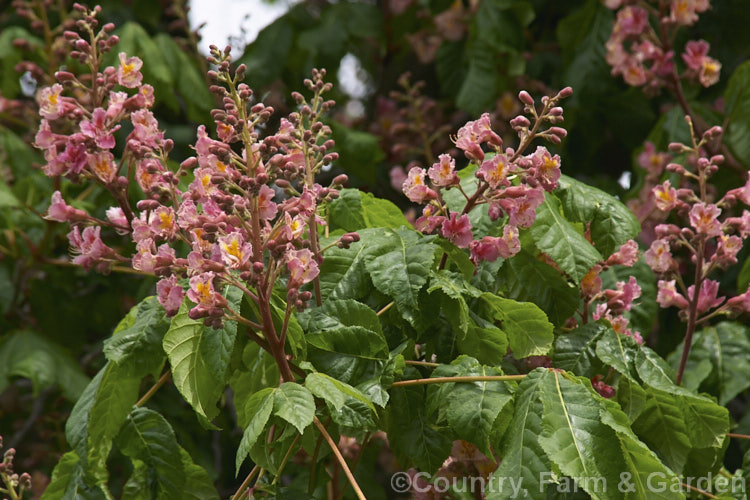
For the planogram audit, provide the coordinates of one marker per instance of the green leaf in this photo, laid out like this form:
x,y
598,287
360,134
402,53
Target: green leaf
x,y
137,340
558,238
743,278
529,332
258,371
343,274
400,266
631,397
459,257
479,89
295,404
68,481
456,289
619,352
469,408
199,357
147,437
334,392
29,355
354,210
612,223
483,341
198,484
351,340
722,349
501,23
415,438
335,314
576,351
526,279
737,98
524,462
360,155
259,405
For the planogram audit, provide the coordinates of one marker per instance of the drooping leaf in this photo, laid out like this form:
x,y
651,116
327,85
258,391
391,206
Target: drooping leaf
x,y
259,407
30,355
137,340
483,341
351,340
199,357
258,371
554,235
469,408
523,460
335,314
619,352
148,437
68,481
333,391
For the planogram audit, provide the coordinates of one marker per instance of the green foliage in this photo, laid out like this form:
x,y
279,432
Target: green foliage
x,y
354,210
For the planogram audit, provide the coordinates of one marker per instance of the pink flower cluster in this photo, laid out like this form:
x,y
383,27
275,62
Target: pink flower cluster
x,y
643,56
240,229
712,239
510,183
611,304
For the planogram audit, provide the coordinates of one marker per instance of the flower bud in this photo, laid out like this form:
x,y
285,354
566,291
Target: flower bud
x,y
144,205
525,98
565,93
340,180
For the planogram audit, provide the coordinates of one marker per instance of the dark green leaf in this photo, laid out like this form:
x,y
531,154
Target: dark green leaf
x,y
737,97
360,155
576,351
354,210
529,332
554,235
295,404
259,406
335,314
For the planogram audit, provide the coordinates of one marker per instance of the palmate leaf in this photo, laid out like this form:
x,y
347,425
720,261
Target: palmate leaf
x,y
335,314
469,408
199,357
343,274
554,235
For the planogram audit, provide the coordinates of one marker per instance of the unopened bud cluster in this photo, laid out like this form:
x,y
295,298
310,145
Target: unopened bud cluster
x,y
12,483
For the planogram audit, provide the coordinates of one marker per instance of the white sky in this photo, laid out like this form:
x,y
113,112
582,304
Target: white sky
x,y
225,18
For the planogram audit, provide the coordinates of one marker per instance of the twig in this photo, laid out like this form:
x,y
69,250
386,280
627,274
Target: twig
x,y
446,380
163,380
245,484
340,458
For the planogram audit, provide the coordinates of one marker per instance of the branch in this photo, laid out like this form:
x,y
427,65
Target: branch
x,y
446,380
163,380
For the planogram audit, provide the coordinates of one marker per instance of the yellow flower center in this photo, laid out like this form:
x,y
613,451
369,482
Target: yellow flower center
x,y
204,291
233,249
206,180
127,68
165,220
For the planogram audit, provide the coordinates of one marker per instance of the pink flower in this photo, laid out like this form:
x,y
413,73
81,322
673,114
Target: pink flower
x,y
102,165
634,73
669,296
458,230
546,168
685,12
96,129
521,205
162,222
659,256
468,140
44,137
225,131
235,251
726,253
170,294
622,298
495,171
62,212
302,267
709,72
695,52
266,206
202,290
627,255
632,20
148,174
428,222
398,177
509,244
129,72
707,298
704,219
116,104
485,249
116,216
443,173
89,247
146,128
51,104
740,303
665,196
73,159
415,189
482,129
202,185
